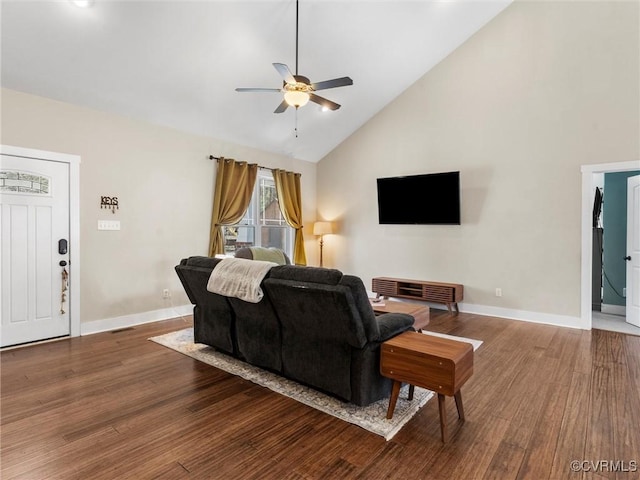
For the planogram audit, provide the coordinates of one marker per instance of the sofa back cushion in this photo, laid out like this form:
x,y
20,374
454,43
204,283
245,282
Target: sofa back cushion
x,y
321,327
257,330
213,320
200,261
297,273
362,304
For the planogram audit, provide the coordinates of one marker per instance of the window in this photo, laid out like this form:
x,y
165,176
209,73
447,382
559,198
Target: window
x,y
263,224
13,181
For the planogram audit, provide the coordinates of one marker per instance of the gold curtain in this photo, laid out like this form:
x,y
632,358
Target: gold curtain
x,y
231,198
290,199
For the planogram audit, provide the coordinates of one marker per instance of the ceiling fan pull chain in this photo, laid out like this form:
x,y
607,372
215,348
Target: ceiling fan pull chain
x,y
295,129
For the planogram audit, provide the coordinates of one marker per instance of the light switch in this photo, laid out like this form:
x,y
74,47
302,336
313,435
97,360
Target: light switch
x,y
108,224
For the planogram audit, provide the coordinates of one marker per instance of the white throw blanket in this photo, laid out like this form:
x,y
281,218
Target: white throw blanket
x,y
239,278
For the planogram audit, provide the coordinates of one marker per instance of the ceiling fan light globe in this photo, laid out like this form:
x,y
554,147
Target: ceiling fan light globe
x,y
296,98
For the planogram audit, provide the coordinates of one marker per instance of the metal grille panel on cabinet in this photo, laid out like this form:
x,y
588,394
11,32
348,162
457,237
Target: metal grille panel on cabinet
x,y
387,288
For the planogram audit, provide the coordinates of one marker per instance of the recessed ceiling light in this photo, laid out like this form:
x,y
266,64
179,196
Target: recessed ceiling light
x,y
82,3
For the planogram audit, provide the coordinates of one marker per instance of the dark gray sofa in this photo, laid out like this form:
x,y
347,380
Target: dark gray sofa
x,y
314,325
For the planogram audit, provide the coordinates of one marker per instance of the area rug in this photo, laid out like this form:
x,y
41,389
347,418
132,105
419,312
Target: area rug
x,y
371,418
476,343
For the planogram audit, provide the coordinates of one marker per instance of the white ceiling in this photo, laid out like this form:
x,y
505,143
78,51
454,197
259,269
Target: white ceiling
x,y
177,63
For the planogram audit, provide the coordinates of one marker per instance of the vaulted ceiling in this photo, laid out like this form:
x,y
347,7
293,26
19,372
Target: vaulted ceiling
x,y
177,63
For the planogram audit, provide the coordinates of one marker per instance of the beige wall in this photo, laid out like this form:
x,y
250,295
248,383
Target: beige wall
x,y
164,183
541,90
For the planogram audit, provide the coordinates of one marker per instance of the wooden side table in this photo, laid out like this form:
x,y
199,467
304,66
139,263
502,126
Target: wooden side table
x,y
437,364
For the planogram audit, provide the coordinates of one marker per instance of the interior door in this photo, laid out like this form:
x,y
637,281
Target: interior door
x,y
633,250
35,231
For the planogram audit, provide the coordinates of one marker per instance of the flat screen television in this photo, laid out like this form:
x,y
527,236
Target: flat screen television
x,y
428,199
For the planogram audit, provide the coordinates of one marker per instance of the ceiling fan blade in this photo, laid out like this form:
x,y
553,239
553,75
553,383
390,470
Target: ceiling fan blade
x,y
258,90
282,107
336,82
284,72
323,102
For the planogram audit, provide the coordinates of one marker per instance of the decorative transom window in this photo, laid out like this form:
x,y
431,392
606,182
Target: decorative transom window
x,y
14,181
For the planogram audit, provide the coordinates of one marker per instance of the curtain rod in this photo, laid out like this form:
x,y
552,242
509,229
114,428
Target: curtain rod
x,y
211,157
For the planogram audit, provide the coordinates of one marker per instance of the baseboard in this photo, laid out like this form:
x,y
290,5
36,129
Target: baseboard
x,y
511,314
614,309
523,315
116,323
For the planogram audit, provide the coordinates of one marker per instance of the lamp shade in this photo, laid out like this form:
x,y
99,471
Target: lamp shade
x,y
296,98
322,228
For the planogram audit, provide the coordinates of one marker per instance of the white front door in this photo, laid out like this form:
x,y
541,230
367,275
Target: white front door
x,y
34,195
633,250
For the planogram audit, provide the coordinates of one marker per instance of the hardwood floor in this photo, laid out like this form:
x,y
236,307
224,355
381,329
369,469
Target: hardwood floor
x,y
114,405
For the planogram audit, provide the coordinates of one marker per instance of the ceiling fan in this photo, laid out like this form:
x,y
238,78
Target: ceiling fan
x,y
298,89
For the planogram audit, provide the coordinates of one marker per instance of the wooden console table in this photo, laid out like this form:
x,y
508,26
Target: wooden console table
x,y
437,364
420,313
436,292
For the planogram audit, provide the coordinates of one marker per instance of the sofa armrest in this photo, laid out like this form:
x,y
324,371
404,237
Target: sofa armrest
x,y
392,324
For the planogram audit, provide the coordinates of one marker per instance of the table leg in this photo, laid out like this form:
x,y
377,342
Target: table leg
x,y
395,391
411,390
443,418
458,397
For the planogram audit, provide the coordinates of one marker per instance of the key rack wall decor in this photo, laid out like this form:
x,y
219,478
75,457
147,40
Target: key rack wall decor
x,y
109,203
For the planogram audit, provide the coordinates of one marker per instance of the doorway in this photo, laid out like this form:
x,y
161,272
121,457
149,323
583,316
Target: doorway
x,y
610,318
40,245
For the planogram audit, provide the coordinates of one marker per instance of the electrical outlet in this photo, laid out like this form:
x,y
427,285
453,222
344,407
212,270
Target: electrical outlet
x,y
498,292
108,224
166,293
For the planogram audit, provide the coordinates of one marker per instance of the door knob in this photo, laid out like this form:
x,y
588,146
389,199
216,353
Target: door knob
x,y
628,258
